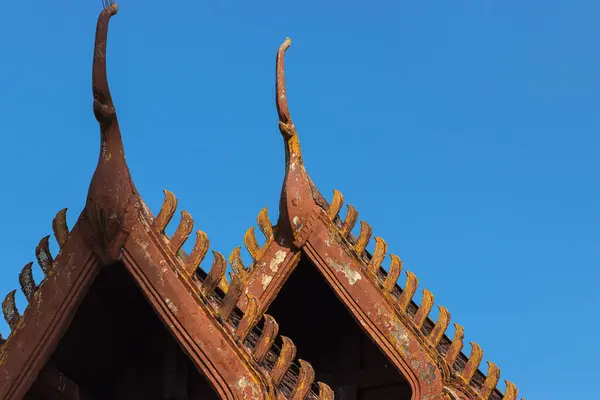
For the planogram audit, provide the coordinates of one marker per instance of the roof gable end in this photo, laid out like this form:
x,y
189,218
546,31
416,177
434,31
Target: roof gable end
x,y
309,224
239,358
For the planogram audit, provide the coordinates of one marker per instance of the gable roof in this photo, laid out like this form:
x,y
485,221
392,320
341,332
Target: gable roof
x,y
239,359
217,322
433,363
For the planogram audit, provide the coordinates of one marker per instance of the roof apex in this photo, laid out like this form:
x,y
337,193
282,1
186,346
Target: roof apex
x,y
113,203
299,195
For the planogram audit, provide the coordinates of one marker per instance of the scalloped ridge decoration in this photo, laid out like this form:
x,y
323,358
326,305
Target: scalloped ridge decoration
x,y
202,244
27,282
258,340
10,311
43,255
402,298
256,251
60,228
433,333
191,265
28,285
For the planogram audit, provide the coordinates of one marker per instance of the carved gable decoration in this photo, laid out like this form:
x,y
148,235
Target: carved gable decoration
x,y
222,325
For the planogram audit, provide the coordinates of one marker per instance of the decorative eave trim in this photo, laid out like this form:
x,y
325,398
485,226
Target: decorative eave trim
x,y
464,373
52,305
96,240
308,221
190,322
115,223
150,251
262,277
113,227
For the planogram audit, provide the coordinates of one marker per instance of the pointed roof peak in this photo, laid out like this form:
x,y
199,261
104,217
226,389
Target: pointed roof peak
x,y
299,196
112,200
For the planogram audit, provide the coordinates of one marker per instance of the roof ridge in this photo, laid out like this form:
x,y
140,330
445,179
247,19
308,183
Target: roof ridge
x,y
300,204
113,211
465,368
258,344
113,207
256,251
294,379
29,287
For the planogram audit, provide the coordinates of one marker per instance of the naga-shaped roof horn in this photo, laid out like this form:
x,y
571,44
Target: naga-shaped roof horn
x,y
299,196
112,197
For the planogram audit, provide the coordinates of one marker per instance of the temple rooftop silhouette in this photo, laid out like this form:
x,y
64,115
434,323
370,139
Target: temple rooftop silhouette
x,y
124,313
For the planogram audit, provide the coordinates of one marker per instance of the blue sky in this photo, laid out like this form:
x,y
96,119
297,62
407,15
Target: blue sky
x,y
466,133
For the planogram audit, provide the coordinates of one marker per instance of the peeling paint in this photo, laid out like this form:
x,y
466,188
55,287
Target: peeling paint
x,y
161,275
380,310
329,239
277,260
297,223
265,281
345,268
244,384
171,306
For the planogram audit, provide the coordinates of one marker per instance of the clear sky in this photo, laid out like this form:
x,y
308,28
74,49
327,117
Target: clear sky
x,y
465,132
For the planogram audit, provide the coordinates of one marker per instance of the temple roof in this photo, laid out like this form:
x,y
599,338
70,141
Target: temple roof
x,y
222,323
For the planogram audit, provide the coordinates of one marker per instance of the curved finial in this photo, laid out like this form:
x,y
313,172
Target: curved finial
x,y
285,120
113,203
286,126
299,195
103,104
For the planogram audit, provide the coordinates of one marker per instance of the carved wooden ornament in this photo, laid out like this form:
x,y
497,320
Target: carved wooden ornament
x,y
222,325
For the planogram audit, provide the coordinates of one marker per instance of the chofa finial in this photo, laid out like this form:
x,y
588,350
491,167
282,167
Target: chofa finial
x,y
285,120
299,196
286,126
103,104
112,198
